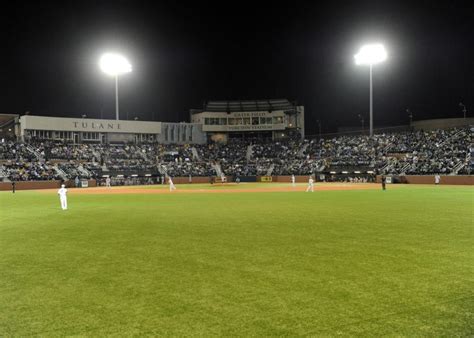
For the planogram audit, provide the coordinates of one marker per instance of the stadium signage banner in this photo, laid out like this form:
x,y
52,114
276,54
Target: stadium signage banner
x,y
254,114
256,127
98,126
29,122
276,113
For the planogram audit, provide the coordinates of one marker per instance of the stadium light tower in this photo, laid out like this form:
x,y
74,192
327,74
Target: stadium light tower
x,y
371,55
115,65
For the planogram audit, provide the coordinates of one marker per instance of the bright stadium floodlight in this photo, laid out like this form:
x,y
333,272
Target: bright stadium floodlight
x,y
371,55
114,65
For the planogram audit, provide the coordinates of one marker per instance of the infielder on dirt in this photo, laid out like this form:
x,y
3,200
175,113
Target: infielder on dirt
x,y
170,181
310,184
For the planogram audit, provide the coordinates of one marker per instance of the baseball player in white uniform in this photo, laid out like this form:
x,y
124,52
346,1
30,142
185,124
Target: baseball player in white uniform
x,y
172,187
310,184
107,182
293,180
62,192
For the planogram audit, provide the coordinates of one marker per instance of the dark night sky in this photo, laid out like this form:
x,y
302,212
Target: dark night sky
x,y
183,55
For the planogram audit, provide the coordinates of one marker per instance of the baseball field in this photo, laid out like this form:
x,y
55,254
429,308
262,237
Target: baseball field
x,y
239,260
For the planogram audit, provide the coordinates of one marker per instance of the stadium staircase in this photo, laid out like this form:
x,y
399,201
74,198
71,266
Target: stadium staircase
x,y
270,170
60,172
34,152
386,149
195,154
303,150
84,171
460,133
217,168
459,166
3,175
404,169
388,166
7,124
321,168
97,155
143,156
249,152
162,169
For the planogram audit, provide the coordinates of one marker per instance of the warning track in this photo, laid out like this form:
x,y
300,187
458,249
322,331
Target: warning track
x,y
222,189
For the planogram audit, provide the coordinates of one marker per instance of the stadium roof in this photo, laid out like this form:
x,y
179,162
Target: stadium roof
x,y
6,119
248,105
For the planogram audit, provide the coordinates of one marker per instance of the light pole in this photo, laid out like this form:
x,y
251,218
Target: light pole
x,y
371,55
464,110
115,65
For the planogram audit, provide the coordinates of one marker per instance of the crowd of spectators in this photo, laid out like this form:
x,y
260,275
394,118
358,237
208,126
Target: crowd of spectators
x,y
29,171
417,152
12,150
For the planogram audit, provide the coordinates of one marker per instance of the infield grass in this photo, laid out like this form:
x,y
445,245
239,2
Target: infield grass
x,y
366,263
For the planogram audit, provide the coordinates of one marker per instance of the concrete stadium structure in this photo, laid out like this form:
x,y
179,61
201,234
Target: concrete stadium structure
x,y
218,121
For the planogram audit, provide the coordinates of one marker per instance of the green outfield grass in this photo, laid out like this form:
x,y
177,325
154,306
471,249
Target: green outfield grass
x,y
366,263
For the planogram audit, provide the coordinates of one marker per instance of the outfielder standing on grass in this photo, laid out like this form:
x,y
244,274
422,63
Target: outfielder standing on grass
x,y
62,192
293,180
383,182
13,186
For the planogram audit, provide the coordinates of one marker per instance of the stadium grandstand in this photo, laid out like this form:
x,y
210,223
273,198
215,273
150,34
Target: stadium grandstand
x,y
238,139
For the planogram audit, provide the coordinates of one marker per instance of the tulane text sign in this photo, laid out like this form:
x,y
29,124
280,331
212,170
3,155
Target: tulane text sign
x,y
30,122
96,125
